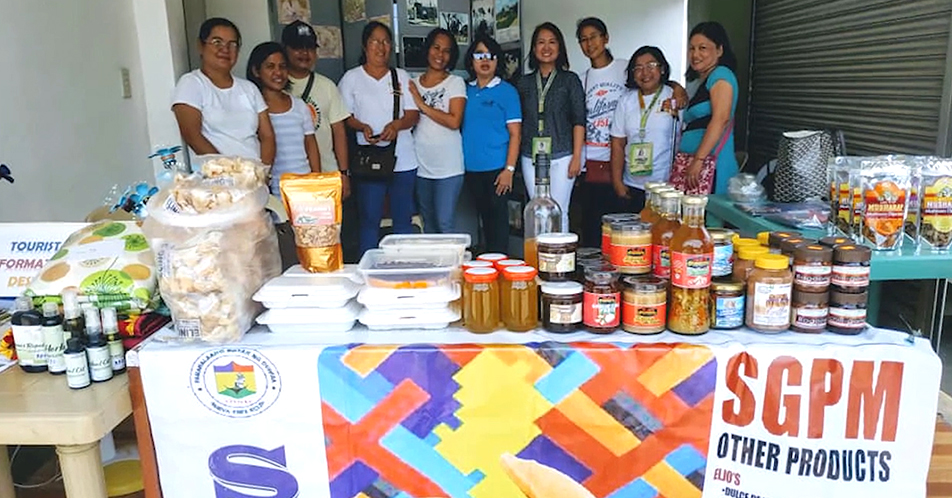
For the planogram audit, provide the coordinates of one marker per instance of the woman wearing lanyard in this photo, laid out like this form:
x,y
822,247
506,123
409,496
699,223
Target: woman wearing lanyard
x,y
553,110
644,128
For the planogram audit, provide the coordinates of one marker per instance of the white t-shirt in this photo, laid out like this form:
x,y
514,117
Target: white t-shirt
x,y
229,115
371,101
326,108
439,149
290,127
603,88
659,130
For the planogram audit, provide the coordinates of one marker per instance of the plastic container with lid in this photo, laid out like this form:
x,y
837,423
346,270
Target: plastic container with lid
x,y
304,320
481,299
403,319
607,221
744,263
774,239
409,269
561,306
556,252
769,291
763,238
631,247
835,241
809,311
789,245
457,242
727,305
740,243
644,309
492,257
812,267
851,268
723,263
376,299
847,312
349,271
520,298
601,300
306,292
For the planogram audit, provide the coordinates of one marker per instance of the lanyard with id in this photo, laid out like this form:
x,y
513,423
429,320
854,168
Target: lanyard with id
x,y
542,144
641,154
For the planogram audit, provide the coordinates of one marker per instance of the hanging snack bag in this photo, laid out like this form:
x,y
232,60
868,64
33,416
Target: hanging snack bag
x,y
885,192
314,205
936,205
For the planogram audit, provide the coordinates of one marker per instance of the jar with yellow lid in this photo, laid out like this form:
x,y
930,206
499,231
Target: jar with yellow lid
x,y
520,298
763,238
769,291
740,243
481,299
744,263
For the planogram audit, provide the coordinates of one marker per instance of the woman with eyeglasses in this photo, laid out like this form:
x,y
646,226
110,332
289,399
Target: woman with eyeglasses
x,y
441,97
218,113
368,93
644,128
553,106
492,124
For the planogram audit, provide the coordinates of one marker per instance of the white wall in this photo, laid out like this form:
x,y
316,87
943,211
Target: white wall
x,y
65,129
631,24
253,20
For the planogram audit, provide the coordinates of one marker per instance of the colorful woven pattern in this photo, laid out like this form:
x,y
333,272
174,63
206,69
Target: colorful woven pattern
x,y
433,421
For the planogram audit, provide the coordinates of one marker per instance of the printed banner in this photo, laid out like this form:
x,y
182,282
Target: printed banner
x,y
716,418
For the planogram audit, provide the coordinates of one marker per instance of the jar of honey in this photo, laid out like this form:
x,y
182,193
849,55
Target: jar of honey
x,y
481,299
520,298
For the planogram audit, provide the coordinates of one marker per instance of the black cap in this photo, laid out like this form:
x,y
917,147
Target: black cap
x,y
299,34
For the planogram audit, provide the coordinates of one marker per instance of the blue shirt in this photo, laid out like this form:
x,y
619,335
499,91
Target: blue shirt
x,y
489,110
700,111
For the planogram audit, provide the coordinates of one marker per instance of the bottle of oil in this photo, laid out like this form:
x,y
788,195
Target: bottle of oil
x,y
77,366
28,336
663,231
692,254
117,353
97,351
542,214
54,341
73,323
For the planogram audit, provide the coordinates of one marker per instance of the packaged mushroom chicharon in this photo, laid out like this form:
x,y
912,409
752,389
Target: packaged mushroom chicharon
x,y
314,203
884,189
935,205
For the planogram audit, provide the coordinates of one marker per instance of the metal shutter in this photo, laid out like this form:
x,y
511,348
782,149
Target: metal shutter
x,y
872,68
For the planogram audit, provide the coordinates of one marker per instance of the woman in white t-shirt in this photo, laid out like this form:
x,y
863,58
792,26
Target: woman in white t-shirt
x,y
218,113
441,98
368,93
296,147
644,128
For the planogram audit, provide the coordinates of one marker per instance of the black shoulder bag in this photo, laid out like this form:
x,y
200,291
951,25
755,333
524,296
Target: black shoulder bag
x,y
375,163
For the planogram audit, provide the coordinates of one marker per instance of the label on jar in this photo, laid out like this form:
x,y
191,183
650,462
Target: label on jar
x,y
661,255
77,370
812,276
644,316
606,242
810,318
771,305
557,263
847,318
118,354
601,310
850,276
723,260
54,346
691,271
565,314
28,341
728,312
100,363
631,256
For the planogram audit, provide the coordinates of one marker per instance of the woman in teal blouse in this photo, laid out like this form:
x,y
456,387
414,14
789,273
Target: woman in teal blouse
x,y
709,118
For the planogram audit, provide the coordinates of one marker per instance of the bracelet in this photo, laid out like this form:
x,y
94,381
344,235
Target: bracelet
x,y
510,168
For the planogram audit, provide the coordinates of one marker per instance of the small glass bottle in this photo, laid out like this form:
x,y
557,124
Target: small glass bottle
x,y
769,290
662,232
28,336
542,214
117,352
74,324
77,366
97,350
481,300
520,298
692,255
54,342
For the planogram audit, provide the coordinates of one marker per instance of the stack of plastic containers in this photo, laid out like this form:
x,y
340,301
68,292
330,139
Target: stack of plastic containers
x,y
412,282
303,302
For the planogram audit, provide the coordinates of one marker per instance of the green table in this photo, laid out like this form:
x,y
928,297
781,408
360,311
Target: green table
x,y
909,263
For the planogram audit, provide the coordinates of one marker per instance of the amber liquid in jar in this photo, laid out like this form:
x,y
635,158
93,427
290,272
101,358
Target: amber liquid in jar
x,y
531,253
481,300
692,254
520,299
663,231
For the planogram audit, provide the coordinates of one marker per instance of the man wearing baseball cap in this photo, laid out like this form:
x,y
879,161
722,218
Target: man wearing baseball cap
x,y
321,95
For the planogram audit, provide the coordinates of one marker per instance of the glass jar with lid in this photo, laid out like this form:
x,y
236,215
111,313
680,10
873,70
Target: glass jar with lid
x,y
669,205
789,245
631,247
774,239
601,300
607,221
561,306
692,254
556,253
809,311
727,305
520,298
644,310
742,242
851,268
744,263
763,238
769,291
481,299
505,263
812,268
835,241
847,312
723,264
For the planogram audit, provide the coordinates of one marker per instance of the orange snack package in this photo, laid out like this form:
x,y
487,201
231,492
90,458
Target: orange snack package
x,y
314,205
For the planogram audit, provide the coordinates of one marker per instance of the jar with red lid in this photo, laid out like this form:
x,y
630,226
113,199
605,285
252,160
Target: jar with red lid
x,y
481,299
520,298
601,301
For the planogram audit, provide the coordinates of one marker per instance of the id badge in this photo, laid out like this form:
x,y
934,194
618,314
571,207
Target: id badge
x,y
640,159
541,145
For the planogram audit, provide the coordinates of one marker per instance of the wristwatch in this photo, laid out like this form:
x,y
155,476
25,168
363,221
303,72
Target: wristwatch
x,y
510,168
345,172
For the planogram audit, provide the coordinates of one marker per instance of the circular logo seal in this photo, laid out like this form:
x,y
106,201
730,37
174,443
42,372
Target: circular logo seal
x,y
235,382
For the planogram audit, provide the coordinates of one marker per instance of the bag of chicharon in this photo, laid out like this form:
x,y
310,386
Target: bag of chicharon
x,y
215,246
884,190
935,205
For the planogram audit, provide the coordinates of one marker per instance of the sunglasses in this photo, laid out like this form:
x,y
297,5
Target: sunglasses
x,y
484,56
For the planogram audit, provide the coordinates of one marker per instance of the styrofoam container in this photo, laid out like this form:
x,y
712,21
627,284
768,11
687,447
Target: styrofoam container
x,y
303,320
307,292
409,269
348,271
409,318
376,299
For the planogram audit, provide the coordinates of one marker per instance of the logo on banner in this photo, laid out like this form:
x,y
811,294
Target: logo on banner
x,y
245,471
235,382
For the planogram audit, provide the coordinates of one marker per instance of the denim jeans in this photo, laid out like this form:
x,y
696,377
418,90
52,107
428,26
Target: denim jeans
x,y
437,200
370,201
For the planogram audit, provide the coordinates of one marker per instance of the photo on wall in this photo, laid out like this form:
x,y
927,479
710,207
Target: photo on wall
x,y
484,18
294,10
423,13
456,23
385,19
355,10
329,44
414,55
507,21
511,62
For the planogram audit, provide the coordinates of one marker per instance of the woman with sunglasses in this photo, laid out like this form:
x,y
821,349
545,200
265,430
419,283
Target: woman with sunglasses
x,y
218,113
492,123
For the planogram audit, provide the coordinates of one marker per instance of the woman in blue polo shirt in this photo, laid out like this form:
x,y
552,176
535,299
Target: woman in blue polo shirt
x,y
492,125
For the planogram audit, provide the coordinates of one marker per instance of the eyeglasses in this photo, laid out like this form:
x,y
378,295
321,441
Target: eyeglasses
x,y
484,56
590,38
222,44
383,42
644,67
